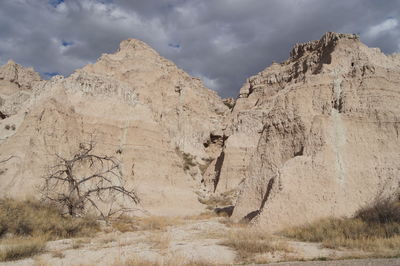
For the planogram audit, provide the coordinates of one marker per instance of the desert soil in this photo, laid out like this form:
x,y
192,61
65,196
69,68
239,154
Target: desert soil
x,y
358,262
189,240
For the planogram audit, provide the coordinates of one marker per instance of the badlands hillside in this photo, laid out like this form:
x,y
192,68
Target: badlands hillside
x,y
312,137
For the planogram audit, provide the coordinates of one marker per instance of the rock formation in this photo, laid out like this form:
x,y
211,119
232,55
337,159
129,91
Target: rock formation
x,y
317,135
314,136
135,105
15,86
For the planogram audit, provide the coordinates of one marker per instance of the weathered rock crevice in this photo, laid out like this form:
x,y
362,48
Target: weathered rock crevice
x,y
3,116
217,169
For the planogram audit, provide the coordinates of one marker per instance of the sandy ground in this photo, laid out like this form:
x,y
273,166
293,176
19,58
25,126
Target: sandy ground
x,y
189,240
359,262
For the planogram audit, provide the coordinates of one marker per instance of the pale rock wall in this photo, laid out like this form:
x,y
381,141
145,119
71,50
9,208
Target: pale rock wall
x,y
330,140
136,106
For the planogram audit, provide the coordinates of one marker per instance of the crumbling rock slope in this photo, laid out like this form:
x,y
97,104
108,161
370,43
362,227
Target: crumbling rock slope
x,y
322,130
135,105
15,87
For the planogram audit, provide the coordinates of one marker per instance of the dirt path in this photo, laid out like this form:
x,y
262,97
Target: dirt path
x,y
360,262
186,241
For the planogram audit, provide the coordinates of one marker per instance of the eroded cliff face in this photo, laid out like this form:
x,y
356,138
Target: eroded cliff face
x,y
135,105
16,84
314,136
324,133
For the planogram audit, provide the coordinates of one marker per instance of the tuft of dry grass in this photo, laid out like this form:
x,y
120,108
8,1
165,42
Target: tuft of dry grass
x,y
158,222
374,229
29,224
173,261
202,216
21,248
159,240
33,218
248,241
38,261
349,233
124,224
232,224
382,211
151,223
57,254
107,240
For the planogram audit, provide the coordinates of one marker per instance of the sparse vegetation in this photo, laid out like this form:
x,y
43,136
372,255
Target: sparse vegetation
x,y
101,186
382,211
188,161
374,229
29,224
248,241
21,248
30,218
57,254
202,216
151,223
173,261
203,167
159,240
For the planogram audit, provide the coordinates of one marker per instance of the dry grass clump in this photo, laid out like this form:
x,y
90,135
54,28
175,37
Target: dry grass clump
x,y
26,226
232,224
249,241
21,248
375,229
151,223
158,222
202,216
159,240
33,218
382,211
57,254
173,261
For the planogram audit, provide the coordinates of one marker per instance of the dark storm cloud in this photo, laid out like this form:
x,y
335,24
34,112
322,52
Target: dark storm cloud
x,y
221,41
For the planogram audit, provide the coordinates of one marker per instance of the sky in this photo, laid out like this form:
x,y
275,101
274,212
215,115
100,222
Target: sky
x,y
221,41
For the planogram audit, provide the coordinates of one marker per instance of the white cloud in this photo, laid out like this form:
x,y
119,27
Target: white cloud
x,y
223,41
208,82
385,26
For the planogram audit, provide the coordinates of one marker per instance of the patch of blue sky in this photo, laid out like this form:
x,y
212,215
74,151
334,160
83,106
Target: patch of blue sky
x,y
55,3
67,43
50,74
174,45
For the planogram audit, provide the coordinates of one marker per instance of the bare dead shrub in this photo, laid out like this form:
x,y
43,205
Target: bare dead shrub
x,y
87,179
381,211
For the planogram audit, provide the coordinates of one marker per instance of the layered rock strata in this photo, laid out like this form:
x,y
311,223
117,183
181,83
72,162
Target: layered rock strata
x,y
324,133
135,105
